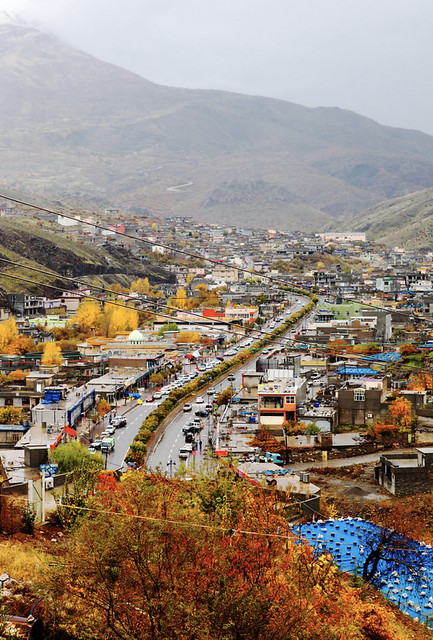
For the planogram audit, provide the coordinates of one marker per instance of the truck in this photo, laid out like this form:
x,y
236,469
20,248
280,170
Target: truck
x,y
107,444
274,457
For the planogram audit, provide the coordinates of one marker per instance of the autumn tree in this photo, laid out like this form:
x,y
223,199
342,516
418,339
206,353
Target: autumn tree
x,y
88,315
8,332
19,345
52,355
17,376
407,349
400,411
160,559
188,336
103,407
10,415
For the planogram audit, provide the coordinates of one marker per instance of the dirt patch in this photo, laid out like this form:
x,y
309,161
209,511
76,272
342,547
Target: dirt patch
x,y
355,482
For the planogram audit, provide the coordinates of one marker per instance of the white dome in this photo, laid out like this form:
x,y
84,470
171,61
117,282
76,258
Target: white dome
x,y
136,336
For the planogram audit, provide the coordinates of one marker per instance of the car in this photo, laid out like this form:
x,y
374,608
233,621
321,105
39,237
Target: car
x,y
199,400
201,413
104,434
149,398
110,429
231,377
157,395
96,444
231,352
209,408
187,407
119,421
211,391
93,449
265,351
185,451
202,367
315,376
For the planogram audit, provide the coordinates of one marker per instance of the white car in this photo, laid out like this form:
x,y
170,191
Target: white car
x,y
199,400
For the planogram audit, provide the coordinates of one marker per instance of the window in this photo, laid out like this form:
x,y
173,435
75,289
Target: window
x,y
290,399
359,395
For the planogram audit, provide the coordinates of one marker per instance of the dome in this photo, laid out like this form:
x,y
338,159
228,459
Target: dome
x,y
136,336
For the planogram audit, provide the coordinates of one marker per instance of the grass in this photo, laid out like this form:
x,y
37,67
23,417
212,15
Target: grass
x,y
21,561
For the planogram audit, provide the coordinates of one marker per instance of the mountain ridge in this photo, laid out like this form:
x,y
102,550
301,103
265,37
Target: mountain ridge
x,y
73,126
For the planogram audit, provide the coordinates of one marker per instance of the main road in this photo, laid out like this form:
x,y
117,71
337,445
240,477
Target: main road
x,y
164,454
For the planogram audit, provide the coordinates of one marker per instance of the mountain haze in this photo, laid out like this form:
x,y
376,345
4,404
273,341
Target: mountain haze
x,y
74,126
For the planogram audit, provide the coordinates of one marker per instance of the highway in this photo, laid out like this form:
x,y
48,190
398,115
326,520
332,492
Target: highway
x,y
164,455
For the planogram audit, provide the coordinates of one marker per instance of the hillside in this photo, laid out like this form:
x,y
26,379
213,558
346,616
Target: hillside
x,y
405,222
32,244
72,126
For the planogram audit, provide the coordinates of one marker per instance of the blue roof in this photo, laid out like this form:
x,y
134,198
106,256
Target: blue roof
x,y
388,356
347,541
355,371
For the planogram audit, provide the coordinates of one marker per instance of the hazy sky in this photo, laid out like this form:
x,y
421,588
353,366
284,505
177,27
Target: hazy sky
x,y
371,56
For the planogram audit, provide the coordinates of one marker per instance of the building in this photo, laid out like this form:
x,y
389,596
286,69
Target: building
x,y
278,401
62,407
364,403
406,474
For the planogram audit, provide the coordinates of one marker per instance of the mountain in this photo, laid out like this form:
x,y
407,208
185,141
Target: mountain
x,y
34,243
404,222
72,126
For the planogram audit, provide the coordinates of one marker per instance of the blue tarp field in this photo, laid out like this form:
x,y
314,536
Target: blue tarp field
x,y
407,584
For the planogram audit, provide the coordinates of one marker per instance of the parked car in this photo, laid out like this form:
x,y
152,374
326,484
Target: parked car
x,y
110,429
231,377
157,395
209,408
315,375
187,407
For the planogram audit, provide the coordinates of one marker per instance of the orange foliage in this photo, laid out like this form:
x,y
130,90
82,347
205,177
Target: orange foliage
x,y
400,411
163,559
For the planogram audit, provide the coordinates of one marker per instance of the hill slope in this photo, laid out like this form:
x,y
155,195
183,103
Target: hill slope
x,y
41,249
404,222
73,126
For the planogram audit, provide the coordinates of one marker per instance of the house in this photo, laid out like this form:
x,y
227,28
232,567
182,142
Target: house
x,y
364,403
278,400
404,474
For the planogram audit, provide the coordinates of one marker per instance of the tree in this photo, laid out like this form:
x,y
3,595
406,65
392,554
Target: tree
x,y
158,559
88,315
8,331
103,407
407,349
10,415
169,326
188,337
73,456
17,375
52,354
293,428
19,345
400,411
391,543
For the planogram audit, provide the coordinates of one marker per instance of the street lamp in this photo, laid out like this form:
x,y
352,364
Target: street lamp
x,y
170,464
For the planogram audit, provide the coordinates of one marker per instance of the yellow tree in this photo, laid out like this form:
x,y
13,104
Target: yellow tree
x,y
52,354
88,315
118,318
8,331
188,336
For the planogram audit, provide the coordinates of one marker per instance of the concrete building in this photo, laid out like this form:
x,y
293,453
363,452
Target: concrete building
x,y
406,474
278,401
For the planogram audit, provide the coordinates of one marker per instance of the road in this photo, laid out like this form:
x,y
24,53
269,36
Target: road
x,y
125,435
165,453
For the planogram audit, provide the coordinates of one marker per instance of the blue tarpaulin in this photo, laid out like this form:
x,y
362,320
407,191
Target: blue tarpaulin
x,y
411,589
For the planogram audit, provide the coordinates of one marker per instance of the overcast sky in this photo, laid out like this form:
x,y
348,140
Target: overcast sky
x,y
371,56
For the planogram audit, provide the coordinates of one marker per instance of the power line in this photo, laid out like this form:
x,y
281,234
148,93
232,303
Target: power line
x,y
184,252
120,304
